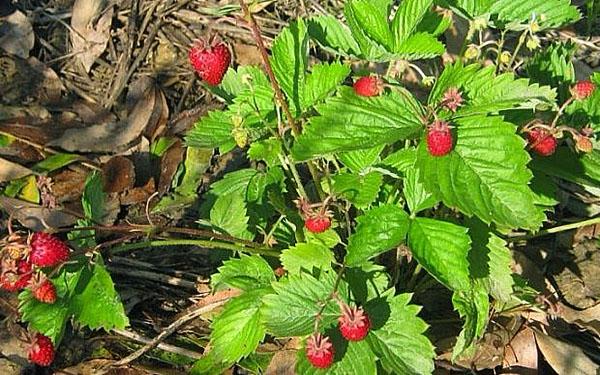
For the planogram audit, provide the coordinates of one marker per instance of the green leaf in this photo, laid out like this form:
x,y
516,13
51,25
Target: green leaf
x,y
93,198
212,131
359,160
323,81
473,306
544,190
354,357
434,23
442,249
485,174
328,238
360,190
267,150
54,162
514,15
397,336
409,15
490,262
333,34
230,215
96,304
402,160
366,282
306,256
290,62
419,46
564,163
472,8
348,122
553,66
369,48
235,82
238,330
373,21
291,311
379,229
417,197
246,273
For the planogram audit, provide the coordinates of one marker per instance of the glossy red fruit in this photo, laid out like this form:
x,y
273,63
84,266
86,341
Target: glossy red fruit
x,y
16,279
582,90
354,323
210,60
319,351
47,250
317,223
368,86
439,138
44,291
542,142
41,351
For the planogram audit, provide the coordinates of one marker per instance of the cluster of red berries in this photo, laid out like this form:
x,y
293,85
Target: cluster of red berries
x,y
354,325
21,262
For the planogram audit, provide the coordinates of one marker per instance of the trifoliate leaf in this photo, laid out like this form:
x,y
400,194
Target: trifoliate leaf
x,y
333,34
245,273
229,213
379,229
485,174
348,122
442,249
369,48
407,18
397,336
373,21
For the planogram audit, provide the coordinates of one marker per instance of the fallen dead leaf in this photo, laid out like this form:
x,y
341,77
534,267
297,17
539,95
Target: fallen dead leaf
x,y
588,318
35,217
89,40
282,363
565,358
12,171
16,34
521,355
118,175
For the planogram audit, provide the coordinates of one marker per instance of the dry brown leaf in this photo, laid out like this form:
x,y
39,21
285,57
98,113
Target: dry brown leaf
x,y
521,356
12,171
16,34
282,363
35,217
89,38
588,318
565,358
118,175
113,137
168,166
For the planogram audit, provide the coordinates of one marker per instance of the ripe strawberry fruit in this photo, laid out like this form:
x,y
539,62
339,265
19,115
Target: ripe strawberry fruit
x,y
439,138
17,278
47,250
44,291
41,351
210,60
319,351
582,89
368,86
318,223
354,323
542,142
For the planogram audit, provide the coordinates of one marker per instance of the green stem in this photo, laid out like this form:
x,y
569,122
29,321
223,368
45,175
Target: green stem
x,y
558,229
519,45
202,243
500,47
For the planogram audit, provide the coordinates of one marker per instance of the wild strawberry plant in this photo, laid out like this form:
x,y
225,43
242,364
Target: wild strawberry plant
x,y
348,164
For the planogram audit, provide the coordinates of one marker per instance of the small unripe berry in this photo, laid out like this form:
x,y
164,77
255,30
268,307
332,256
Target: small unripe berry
x,y
44,291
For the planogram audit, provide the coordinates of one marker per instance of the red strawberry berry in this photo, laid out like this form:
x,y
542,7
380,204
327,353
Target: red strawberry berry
x,y
542,142
582,89
317,223
41,351
210,60
17,277
319,351
439,138
354,323
47,250
44,291
368,86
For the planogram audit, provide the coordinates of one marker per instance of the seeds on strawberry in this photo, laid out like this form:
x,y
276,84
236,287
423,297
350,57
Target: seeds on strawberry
x,y
542,142
47,250
44,291
368,86
439,138
582,90
583,143
41,351
317,223
354,323
210,60
319,351
15,276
